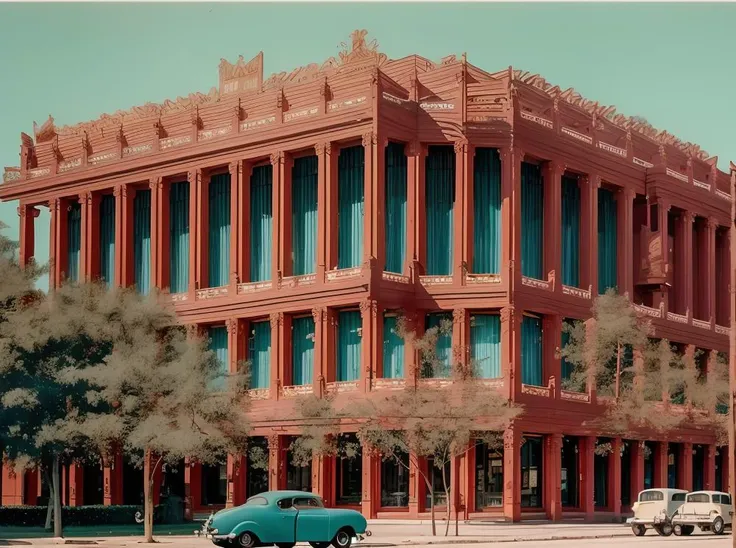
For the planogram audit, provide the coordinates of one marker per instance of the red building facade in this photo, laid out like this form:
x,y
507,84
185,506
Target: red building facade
x,y
317,205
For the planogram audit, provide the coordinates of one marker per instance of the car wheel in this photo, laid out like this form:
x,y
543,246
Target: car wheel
x,y
687,530
718,526
639,530
319,544
677,530
342,539
246,540
664,530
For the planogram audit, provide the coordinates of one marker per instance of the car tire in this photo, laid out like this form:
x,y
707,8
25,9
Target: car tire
x,y
718,526
687,530
677,530
639,530
319,544
343,539
246,539
664,530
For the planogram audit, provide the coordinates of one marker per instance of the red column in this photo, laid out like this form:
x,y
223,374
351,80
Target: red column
x,y
468,228
276,476
637,473
587,467
660,465
416,485
188,510
195,486
710,467
511,159
552,326
194,177
625,238
31,487
420,214
553,493
590,233
236,478
614,477
277,159
320,375
12,485
27,215
663,208
412,187
236,230
76,485
459,214
112,473
285,239
85,201
202,199
711,275
322,473
371,480
370,140
512,474
687,219
460,337
92,237
276,320
411,356
329,159
552,225
160,241
53,205
685,471
369,317
119,238
511,350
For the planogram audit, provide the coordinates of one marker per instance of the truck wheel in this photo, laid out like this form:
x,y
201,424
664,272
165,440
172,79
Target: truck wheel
x,y
342,539
246,540
718,526
677,530
664,530
639,530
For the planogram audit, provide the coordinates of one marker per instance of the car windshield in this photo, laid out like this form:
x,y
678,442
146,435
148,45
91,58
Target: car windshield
x,y
256,501
698,497
648,496
308,502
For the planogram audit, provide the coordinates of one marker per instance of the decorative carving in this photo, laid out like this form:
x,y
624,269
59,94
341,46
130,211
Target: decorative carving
x,y
459,146
46,131
713,223
536,119
231,324
277,158
318,314
276,319
368,306
458,316
245,126
155,183
241,76
369,139
250,287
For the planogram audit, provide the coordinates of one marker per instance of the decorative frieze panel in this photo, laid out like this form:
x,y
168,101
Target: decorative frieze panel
x,y
541,391
259,394
69,165
340,387
432,106
171,142
295,391
393,277
213,133
434,383
722,330
677,175
435,280
677,318
577,135
297,281
492,383
701,324
533,282
179,297
582,397
649,311
343,273
642,163
211,293
347,103
289,116
256,124
252,287
724,195
40,172
576,292
612,149
536,119
388,384
483,278
140,149
11,175
102,158
701,184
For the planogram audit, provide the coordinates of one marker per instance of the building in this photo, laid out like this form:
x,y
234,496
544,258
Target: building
x,y
293,216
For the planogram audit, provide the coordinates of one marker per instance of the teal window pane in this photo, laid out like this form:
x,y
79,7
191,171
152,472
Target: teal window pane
x,y
218,344
142,240
393,349
532,221
570,232
440,201
261,223
531,351
73,241
350,197
395,212
485,345
107,239
179,237
487,211
219,230
607,240
348,345
304,215
302,344
259,354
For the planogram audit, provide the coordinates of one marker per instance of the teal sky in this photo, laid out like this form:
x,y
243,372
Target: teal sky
x,y
671,63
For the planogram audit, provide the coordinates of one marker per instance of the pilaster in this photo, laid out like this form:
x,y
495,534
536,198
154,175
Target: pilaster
x,y
589,236
511,158
53,206
371,499
710,467
637,473
710,269
460,341
160,242
321,357
512,474
27,214
285,237
326,209
92,237
660,464
277,354
415,485
663,209
277,186
202,199
587,467
685,471
553,493
614,475
236,480
112,473
625,239
460,210
236,230
276,479
552,226
85,201
323,467
687,220
511,350
194,176
420,213
369,317
411,356
76,485
120,239
370,141
243,228
12,486
552,340
412,151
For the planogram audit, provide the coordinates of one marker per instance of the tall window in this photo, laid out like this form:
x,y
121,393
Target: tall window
x,y
437,363
73,241
566,367
107,239
440,200
532,221
214,484
349,473
570,232
395,481
570,492
261,222
348,345
179,237
487,211
600,483
649,465
488,476
219,235
259,354
298,478
256,478
393,349
531,350
607,246
485,345
438,484
350,197
218,344
302,344
395,210
673,465
142,240
304,215
531,473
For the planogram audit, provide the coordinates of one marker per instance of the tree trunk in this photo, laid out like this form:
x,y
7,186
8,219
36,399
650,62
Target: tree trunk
x,y
431,502
50,506
148,497
56,496
448,506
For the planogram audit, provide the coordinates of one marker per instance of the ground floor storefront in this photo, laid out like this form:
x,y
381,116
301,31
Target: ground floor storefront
x,y
552,476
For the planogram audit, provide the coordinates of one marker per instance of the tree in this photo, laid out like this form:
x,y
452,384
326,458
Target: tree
x,y
159,392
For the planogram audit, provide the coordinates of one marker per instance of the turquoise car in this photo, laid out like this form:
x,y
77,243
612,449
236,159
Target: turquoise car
x,y
283,518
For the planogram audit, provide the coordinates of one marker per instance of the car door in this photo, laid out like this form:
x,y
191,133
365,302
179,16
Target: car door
x,y
726,509
312,520
281,525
